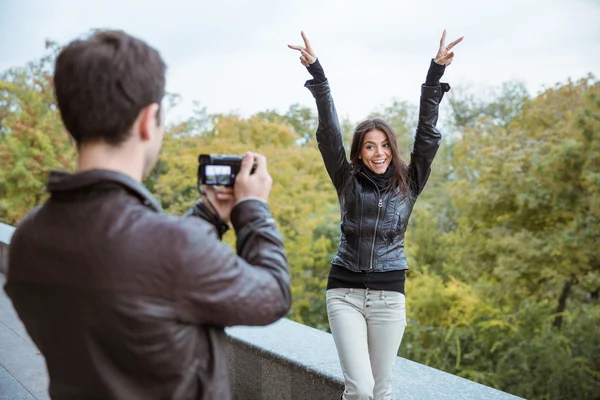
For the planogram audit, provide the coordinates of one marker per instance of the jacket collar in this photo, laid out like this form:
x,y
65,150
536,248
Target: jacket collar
x,y
62,181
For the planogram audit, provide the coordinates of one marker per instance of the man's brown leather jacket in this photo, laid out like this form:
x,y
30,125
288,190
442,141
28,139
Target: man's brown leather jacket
x,y
126,302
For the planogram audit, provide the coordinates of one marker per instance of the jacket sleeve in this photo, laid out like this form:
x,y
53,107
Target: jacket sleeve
x,y
201,210
427,138
329,136
216,286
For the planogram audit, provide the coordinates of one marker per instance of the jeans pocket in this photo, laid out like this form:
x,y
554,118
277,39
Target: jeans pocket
x,y
395,300
337,294
396,304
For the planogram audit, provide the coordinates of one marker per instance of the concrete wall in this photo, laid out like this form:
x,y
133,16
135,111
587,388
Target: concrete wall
x,y
6,232
283,361
291,361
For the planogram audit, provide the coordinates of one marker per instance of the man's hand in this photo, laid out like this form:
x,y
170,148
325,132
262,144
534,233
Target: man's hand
x,y
222,200
256,185
444,55
307,54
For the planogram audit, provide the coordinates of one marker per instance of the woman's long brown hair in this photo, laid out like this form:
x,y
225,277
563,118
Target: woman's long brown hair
x,y
400,179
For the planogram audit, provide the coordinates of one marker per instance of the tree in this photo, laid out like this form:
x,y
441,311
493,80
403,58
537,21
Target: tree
x,y
497,104
529,195
302,120
32,138
525,237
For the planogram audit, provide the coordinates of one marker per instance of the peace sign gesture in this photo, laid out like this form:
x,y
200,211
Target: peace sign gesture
x,y
444,55
307,54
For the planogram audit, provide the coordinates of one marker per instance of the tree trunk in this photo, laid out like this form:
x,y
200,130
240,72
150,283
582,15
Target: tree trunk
x,y
562,303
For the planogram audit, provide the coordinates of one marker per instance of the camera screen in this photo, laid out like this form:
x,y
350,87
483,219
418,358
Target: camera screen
x,y
218,174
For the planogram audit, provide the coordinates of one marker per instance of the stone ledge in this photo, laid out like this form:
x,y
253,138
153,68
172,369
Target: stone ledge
x,y
6,232
283,361
305,362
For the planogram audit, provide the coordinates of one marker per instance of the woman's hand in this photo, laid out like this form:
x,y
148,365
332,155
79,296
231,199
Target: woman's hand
x,y
444,55
307,54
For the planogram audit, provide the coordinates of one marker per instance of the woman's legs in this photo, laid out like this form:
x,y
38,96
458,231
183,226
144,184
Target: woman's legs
x,y
386,321
349,329
367,328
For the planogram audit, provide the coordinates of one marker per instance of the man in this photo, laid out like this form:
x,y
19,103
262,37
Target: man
x,y
124,301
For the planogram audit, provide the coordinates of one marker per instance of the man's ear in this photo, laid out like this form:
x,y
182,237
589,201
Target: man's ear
x,y
148,121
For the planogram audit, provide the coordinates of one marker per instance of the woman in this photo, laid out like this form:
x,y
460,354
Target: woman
x,y
377,191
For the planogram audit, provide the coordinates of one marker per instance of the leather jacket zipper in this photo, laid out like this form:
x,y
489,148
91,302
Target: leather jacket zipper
x,y
379,205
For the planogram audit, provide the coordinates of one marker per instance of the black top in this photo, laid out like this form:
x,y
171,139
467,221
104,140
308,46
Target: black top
x,y
340,277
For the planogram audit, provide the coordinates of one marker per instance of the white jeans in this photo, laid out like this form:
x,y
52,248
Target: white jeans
x,y
367,327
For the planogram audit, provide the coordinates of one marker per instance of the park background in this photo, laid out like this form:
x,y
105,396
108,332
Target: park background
x,y
504,243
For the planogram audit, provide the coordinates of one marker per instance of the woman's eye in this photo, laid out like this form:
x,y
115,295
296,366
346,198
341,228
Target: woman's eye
x,y
386,145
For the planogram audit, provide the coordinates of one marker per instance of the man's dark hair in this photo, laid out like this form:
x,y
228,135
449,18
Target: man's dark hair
x,y
103,82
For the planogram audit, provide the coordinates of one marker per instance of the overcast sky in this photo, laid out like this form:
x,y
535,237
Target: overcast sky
x,y
232,55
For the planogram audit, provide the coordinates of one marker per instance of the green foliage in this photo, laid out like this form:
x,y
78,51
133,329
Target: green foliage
x,y
302,120
464,331
528,195
503,243
499,104
32,138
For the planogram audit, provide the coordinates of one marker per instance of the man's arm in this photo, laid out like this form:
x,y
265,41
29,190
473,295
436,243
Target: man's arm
x,y
202,210
216,286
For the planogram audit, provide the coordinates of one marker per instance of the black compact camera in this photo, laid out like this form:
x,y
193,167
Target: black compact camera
x,y
219,170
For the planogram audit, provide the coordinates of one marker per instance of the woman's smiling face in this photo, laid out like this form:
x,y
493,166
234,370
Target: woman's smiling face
x,y
376,152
